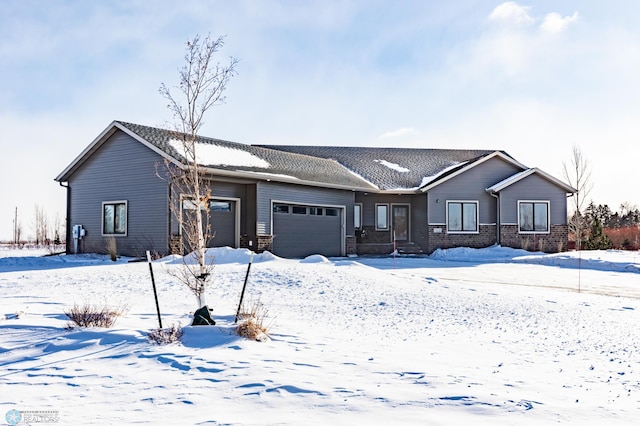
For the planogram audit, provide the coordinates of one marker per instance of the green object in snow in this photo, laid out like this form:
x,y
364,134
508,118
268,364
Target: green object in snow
x,y
203,317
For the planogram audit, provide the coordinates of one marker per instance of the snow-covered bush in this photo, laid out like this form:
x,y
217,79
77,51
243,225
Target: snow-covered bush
x,y
89,315
164,336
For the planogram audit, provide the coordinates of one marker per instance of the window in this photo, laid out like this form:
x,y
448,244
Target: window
x,y
114,218
533,216
331,212
220,206
315,211
298,210
382,217
357,216
190,204
280,208
462,216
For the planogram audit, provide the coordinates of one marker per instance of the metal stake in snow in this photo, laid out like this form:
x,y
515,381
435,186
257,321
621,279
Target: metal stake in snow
x,y
155,293
244,286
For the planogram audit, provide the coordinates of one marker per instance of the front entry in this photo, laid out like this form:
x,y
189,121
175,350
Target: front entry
x,y
400,222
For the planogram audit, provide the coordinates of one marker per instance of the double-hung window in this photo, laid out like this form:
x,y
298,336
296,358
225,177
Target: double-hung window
x,y
462,216
533,216
114,218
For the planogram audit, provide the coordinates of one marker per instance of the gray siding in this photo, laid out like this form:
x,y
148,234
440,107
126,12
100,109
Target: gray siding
x,y
123,169
266,192
470,185
535,188
419,230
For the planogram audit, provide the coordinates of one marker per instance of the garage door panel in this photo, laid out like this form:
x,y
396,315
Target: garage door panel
x,y
300,235
222,222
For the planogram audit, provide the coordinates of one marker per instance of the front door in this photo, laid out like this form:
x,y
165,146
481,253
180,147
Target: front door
x,y
400,222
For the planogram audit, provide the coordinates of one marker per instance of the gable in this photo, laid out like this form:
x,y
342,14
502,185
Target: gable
x,y
470,185
524,175
533,188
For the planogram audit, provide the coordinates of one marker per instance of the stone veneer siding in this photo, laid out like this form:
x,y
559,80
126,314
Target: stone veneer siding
x,y
264,243
484,238
175,245
555,241
350,243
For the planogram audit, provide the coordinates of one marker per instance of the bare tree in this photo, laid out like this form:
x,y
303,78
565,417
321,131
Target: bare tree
x,y
17,228
202,84
57,230
40,225
578,173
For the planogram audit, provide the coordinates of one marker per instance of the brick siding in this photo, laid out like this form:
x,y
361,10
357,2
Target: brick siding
x,y
555,241
484,238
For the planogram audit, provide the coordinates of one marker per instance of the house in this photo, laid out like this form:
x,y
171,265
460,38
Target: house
x,y
299,200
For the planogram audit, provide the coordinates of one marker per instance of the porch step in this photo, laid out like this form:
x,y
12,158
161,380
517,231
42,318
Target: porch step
x,y
410,249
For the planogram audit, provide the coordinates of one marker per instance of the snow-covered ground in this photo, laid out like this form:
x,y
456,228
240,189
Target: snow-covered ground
x,y
492,336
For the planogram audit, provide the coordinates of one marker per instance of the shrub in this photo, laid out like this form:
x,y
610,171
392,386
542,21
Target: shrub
x,y
597,240
164,336
89,315
542,245
252,322
627,238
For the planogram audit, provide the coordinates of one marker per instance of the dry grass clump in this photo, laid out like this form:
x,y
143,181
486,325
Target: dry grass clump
x,y
252,323
165,336
89,315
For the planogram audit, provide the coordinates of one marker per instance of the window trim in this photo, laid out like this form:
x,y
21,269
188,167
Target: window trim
x,y
126,218
386,206
534,202
462,203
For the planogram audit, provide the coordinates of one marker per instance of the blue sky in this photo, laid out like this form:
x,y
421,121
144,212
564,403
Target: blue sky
x,y
531,78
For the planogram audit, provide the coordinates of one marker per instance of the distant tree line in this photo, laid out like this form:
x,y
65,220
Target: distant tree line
x,y
45,231
608,229
627,216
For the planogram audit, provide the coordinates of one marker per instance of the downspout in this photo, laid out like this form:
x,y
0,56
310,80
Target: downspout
x,y
169,218
497,197
67,221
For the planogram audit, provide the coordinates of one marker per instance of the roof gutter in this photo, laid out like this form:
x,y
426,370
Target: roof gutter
x,y
273,178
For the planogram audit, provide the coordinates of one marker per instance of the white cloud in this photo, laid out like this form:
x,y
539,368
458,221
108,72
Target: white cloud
x,y
554,23
512,13
398,133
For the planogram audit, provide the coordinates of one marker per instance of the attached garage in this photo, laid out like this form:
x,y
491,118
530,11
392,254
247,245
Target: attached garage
x,y
303,230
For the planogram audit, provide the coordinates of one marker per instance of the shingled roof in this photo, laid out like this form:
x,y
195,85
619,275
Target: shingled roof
x,y
356,168
393,168
238,157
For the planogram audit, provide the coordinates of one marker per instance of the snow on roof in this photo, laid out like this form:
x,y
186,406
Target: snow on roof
x,y
392,166
428,179
216,155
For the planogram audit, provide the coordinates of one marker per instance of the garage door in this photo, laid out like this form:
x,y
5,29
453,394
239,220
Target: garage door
x,y
222,222
300,231
222,217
